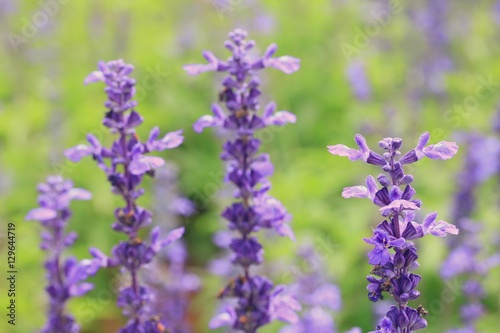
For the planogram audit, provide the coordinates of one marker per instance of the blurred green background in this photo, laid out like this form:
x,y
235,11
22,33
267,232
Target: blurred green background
x,y
416,76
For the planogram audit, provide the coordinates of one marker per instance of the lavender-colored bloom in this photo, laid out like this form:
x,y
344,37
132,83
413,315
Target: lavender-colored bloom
x,y
360,86
125,164
394,255
496,12
319,298
257,303
172,284
436,61
65,276
475,171
173,287
465,258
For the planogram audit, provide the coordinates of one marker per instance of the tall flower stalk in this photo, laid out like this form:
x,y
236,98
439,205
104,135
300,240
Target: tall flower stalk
x,y
173,284
256,302
65,276
319,297
467,258
394,256
127,166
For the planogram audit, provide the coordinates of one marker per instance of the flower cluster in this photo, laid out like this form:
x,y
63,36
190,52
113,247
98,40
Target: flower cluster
x,y
394,255
168,277
65,276
475,171
467,255
127,166
436,62
173,287
358,80
319,299
467,260
257,302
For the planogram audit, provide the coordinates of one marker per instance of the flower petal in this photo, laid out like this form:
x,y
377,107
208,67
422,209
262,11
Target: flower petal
x,y
80,289
223,319
76,153
143,164
400,205
372,187
286,64
281,118
342,150
41,214
79,194
285,230
355,192
269,110
442,228
443,150
169,141
204,121
198,69
173,236
94,77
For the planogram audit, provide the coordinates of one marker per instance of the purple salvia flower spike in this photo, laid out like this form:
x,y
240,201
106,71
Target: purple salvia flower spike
x,y
393,254
167,275
125,164
65,276
318,296
467,260
256,302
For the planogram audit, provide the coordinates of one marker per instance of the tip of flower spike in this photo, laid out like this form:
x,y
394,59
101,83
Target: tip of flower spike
x,y
237,36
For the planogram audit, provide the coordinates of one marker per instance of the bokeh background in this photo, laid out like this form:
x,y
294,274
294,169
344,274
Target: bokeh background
x,y
380,68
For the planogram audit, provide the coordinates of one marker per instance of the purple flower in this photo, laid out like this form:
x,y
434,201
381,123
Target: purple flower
x,y
167,276
125,164
319,298
65,276
256,302
467,258
401,320
394,256
240,64
360,85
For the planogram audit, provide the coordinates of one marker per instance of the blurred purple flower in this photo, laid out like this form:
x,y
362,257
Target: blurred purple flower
x,y
360,86
319,298
65,276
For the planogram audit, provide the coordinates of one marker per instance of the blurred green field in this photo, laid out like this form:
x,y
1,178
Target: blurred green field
x,y
45,108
